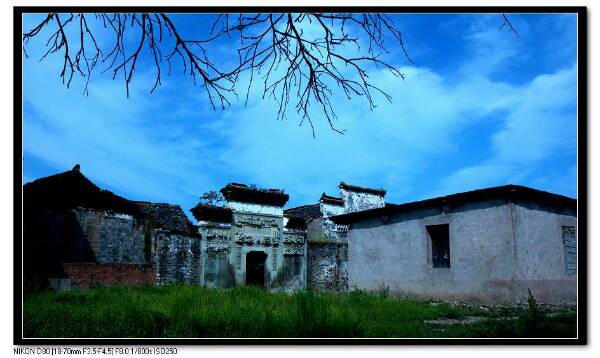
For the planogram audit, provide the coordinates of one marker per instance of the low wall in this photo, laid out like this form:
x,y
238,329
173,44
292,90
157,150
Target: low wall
x,y
327,264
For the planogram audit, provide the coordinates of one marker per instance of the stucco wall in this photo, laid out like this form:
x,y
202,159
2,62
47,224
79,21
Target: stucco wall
x,y
397,254
491,254
540,253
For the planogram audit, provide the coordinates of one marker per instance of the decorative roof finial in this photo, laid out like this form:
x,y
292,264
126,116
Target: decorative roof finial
x,y
76,168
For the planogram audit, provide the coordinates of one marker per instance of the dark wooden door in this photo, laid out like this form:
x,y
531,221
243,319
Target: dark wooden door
x,y
255,268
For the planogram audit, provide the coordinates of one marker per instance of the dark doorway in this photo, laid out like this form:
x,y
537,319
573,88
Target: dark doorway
x,y
255,268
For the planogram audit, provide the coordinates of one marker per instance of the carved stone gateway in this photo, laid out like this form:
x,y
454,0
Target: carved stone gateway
x,y
242,238
293,250
217,243
256,221
250,234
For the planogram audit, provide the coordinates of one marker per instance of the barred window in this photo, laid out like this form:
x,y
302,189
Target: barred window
x,y
569,239
440,245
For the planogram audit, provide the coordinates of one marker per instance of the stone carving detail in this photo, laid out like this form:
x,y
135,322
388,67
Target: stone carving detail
x,y
216,243
275,239
217,237
255,221
293,239
293,250
218,248
242,238
246,239
265,241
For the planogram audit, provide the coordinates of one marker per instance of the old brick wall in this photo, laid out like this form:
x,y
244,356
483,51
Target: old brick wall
x,y
89,274
113,237
177,258
55,236
327,266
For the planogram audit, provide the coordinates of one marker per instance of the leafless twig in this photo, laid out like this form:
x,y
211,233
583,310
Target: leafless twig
x,y
509,24
292,64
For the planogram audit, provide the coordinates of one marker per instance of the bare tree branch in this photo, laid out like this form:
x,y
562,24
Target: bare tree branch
x,y
293,66
509,24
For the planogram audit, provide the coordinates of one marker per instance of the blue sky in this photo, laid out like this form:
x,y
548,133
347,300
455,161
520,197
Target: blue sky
x,y
479,107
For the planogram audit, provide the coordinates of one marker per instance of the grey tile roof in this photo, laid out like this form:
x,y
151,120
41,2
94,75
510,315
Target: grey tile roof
x,y
167,217
306,211
361,189
206,212
248,194
71,189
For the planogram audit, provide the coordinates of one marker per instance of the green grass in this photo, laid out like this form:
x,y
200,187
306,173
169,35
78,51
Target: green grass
x,y
189,311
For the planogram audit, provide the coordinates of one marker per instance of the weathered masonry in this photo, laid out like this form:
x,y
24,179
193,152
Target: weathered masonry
x,y
77,235
172,243
327,245
250,241
488,245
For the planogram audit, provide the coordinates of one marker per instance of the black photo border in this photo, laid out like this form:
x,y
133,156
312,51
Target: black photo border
x,y
582,182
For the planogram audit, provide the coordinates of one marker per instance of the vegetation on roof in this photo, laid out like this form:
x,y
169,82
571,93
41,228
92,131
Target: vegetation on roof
x,y
249,194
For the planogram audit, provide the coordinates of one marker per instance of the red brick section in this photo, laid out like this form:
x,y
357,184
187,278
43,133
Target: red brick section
x,y
89,274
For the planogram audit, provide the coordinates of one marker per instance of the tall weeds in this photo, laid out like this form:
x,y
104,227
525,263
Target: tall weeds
x,y
189,311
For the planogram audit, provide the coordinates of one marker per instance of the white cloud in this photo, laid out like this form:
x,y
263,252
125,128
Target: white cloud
x,y
543,122
388,147
170,147
540,125
120,142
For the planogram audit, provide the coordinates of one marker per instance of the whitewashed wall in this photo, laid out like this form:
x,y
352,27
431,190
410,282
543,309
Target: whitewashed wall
x,y
358,201
255,208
